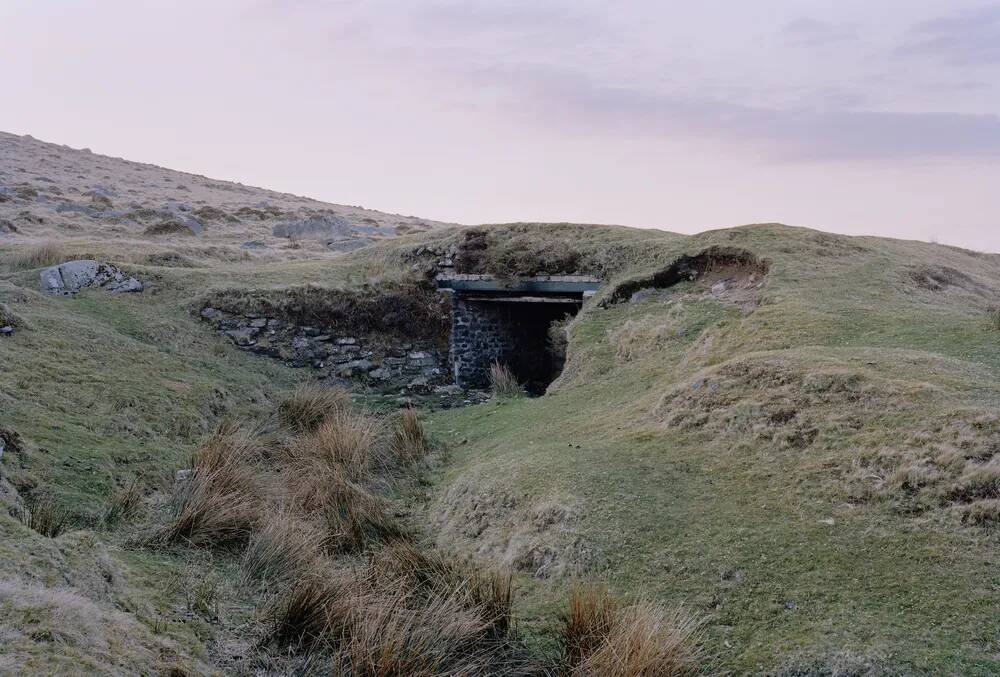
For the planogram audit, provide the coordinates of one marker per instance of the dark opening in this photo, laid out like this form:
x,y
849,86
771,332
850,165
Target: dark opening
x,y
526,337
536,357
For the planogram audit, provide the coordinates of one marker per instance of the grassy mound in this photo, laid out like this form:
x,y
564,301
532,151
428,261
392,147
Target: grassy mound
x,y
790,435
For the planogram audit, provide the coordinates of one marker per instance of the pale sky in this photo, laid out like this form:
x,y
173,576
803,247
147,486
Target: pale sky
x,y
856,116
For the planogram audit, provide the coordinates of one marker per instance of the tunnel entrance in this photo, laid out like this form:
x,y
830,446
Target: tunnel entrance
x,y
509,322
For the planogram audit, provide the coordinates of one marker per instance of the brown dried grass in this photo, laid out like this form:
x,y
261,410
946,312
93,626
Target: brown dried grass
x,y
409,442
503,383
221,502
602,637
310,404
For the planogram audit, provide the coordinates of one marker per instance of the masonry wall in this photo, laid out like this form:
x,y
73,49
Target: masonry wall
x,y
514,334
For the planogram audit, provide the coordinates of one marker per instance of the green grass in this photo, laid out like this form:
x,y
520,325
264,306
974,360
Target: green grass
x,y
730,522
657,443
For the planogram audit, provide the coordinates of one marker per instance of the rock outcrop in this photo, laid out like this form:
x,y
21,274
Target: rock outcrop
x,y
73,276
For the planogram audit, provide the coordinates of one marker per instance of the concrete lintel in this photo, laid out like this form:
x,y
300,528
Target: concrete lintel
x,y
525,299
571,284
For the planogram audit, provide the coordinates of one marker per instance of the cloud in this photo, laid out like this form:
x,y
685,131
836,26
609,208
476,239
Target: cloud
x,y
778,134
813,33
562,67
967,38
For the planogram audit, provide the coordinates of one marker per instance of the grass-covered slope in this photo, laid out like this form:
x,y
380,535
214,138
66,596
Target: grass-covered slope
x,y
798,444
810,465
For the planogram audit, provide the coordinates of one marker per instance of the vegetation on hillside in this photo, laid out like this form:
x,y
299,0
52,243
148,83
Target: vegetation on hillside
x,y
788,434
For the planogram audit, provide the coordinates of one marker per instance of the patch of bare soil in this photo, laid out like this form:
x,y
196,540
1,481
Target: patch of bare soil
x,y
733,273
944,278
491,522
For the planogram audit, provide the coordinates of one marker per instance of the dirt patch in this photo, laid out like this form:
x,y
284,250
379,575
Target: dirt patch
x,y
944,278
720,269
491,522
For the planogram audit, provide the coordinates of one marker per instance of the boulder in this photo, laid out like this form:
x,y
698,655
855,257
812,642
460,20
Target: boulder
x,y
349,244
72,276
330,225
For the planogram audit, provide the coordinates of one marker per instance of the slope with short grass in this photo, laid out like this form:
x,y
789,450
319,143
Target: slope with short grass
x,y
807,456
791,436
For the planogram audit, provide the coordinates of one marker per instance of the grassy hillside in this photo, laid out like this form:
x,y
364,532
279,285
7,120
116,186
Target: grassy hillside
x,y
798,444
814,473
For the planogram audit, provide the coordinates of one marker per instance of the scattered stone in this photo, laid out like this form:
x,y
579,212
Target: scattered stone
x,y
326,225
253,244
72,276
258,323
347,341
182,476
381,374
349,244
210,313
355,368
245,336
418,383
6,330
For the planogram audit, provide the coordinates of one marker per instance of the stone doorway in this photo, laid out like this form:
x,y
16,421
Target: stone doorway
x,y
508,322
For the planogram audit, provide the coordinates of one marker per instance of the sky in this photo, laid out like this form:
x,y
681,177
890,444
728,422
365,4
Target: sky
x,y
873,117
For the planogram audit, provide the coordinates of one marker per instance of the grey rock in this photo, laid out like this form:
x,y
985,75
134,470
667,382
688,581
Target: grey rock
x,y
258,323
355,368
245,336
253,244
349,244
6,330
720,287
210,313
300,342
347,341
381,374
72,276
129,284
418,383
182,476
328,225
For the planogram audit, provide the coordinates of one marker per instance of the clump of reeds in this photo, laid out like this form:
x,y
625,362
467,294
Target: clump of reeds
x,y
503,383
601,636
306,407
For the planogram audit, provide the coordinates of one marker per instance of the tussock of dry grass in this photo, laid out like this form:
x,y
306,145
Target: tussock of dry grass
x,y
431,573
314,610
356,518
285,547
982,482
409,441
993,317
44,516
220,502
602,637
396,635
124,504
345,439
503,383
982,513
39,256
311,404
